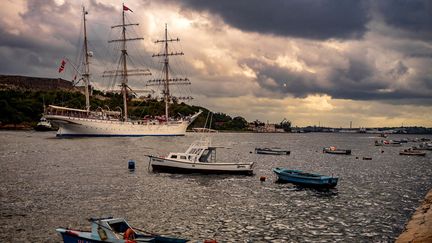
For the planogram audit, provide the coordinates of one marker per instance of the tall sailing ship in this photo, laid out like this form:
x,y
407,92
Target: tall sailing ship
x,y
101,122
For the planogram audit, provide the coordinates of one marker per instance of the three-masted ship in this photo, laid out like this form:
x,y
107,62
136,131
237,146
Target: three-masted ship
x,y
101,122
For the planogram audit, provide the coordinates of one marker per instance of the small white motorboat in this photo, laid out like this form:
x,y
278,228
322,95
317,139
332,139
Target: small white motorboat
x,y
43,125
200,157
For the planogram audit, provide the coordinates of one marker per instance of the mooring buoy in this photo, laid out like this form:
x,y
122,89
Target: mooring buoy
x,y
131,165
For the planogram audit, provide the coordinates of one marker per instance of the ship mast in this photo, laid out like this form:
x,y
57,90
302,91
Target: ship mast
x,y
124,72
123,57
166,64
86,74
167,80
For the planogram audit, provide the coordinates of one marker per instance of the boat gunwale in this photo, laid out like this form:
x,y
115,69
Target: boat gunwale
x,y
171,169
306,175
203,163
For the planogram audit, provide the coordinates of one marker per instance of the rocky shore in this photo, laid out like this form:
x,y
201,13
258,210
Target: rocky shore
x,y
419,228
14,82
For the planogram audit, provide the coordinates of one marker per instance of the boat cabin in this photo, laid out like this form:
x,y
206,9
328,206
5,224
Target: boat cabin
x,y
197,152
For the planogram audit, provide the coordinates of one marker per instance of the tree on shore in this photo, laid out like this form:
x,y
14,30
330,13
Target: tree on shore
x,y
285,125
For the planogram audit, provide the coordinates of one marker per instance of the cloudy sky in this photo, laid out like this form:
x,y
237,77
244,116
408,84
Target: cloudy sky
x,y
311,61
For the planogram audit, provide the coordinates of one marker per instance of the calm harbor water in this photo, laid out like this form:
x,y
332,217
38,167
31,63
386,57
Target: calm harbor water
x,y
47,182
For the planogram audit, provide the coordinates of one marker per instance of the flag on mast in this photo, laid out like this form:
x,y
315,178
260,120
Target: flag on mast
x,y
126,8
62,66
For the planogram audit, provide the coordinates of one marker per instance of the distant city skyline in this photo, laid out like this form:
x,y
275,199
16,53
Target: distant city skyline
x,y
313,62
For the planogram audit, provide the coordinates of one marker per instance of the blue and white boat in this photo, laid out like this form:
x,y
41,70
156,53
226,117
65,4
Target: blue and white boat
x,y
115,230
305,179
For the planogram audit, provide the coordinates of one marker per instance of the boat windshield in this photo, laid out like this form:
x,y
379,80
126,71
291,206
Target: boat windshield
x,y
119,227
205,155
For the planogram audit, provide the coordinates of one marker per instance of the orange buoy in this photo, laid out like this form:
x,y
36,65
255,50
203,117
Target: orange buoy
x,y
262,178
129,234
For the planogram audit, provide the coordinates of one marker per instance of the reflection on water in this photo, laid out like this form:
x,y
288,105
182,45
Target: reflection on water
x,y
47,183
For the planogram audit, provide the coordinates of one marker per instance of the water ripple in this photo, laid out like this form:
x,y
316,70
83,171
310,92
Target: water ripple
x,y
48,183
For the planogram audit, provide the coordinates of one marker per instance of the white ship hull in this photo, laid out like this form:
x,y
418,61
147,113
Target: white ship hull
x,y
73,126
163,164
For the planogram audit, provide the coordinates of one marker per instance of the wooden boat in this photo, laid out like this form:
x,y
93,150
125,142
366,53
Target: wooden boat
x,y
301,178
200,157
390,143
112,230
273,151
412,152
334,150
423,146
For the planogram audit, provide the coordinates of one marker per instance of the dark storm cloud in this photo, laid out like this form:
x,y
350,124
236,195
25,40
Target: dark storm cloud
x,y
315,19
398,71
413,16
48,32
297,84
28,47
358,81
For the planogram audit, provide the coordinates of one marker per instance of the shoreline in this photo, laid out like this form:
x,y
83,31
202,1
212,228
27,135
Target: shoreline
x,y
419,227
27,126
16,127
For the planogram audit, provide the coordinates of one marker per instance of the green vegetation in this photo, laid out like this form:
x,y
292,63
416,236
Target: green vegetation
x,y
19,107
26,107
285,125
221,121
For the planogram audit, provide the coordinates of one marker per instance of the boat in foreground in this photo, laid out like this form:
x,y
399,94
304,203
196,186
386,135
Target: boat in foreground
x,y
112,230
334,150
412,152
273,151
200,157
305,179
